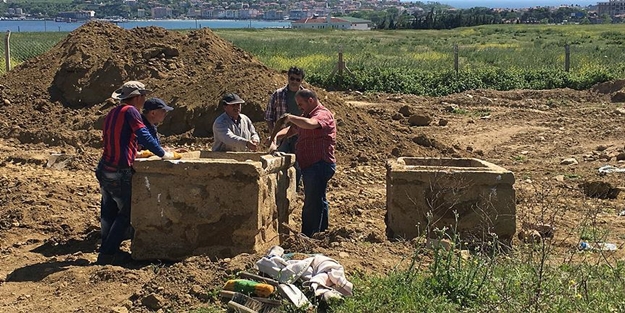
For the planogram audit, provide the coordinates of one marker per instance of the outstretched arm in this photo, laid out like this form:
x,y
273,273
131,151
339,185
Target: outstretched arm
x,y
303,122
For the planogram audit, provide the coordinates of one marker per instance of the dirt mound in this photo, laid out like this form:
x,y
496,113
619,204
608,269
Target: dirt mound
x,y
190,71
609,87
73,82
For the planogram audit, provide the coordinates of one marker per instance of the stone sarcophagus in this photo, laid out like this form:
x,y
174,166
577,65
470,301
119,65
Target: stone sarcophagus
x,y
217,204
474,197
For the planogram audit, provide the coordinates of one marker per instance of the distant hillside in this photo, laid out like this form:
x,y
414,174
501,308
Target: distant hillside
x,y
463,4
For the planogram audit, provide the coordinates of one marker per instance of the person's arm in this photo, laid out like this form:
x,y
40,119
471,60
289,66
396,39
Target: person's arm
x,y
144,137
303,122
287,132
254,135
148,142
222,129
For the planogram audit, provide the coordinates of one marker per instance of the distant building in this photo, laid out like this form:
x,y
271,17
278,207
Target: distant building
x,y
140,13
161,12
219,13
76,15
232,14
612,7
358,23
248,13
299,14
273,15
207,13
329,22
193,12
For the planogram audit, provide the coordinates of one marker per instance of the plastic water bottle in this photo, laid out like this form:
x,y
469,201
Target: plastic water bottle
x,y
584,246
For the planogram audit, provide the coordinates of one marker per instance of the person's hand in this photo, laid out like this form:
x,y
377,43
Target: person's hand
x,y
252,145
268,141
172,156
144,154
273,147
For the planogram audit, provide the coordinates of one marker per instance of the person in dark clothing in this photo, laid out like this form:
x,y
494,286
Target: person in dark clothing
x,y
154,112
123,131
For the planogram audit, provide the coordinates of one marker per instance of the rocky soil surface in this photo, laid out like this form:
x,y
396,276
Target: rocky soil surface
x,y
554,141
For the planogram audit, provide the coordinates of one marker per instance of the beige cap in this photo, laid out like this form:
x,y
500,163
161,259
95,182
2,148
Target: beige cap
x,y
130,89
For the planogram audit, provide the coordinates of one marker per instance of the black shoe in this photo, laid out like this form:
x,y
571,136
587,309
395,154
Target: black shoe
x,y
119,258
105,259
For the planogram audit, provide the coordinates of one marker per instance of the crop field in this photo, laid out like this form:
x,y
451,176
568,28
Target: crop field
x,y
501,57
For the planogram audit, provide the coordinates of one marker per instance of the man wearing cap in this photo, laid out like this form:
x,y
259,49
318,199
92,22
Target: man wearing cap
x,y
233,131
314,150
122,132
154,112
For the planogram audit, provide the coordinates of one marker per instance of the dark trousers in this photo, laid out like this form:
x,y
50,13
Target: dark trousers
x,y
315,213
116,189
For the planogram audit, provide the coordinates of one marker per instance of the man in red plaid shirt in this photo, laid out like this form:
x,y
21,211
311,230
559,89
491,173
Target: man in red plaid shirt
x,y
314,150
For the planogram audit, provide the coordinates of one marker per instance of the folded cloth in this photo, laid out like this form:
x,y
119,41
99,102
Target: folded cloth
x,y
321,273
284,271
328,273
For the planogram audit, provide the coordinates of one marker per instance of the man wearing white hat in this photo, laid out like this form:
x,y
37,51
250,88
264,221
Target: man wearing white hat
x,y
122,132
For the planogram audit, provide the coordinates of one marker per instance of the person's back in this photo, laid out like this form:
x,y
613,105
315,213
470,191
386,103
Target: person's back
x,y
119,139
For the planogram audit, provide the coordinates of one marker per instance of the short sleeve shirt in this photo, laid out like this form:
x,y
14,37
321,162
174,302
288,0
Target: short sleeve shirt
x,y
319,144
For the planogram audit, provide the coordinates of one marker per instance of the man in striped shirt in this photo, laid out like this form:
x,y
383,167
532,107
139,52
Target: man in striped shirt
x,y
314,150
123,131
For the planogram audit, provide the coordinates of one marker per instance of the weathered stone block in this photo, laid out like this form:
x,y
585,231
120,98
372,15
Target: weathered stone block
x,y
218,204
424,192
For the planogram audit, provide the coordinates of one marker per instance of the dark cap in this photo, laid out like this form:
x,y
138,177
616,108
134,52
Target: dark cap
x,y
231,98
130,89
155,104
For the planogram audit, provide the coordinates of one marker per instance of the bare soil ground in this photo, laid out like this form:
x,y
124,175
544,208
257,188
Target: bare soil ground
x,y
49,227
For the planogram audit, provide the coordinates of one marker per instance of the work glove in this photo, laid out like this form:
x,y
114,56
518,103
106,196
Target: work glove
x,y
144,154
172,156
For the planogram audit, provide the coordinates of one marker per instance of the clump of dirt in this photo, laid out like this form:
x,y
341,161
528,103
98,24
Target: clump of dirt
x,y
609,86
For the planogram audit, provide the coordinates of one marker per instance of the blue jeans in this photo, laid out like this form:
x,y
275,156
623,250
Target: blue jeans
x,y
315,213
116,189
288,146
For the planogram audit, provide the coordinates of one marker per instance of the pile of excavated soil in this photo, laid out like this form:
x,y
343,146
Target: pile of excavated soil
x,y
60,98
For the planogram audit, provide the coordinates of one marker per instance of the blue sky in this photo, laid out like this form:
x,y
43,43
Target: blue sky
x,y
512,3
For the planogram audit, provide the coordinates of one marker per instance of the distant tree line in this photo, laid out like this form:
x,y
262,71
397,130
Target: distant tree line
x,y
443,18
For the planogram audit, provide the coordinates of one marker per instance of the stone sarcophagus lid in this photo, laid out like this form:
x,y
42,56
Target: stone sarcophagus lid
x,y
474,197
218,204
